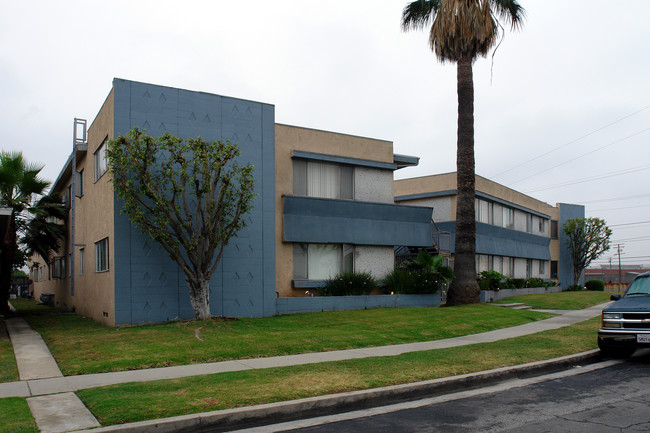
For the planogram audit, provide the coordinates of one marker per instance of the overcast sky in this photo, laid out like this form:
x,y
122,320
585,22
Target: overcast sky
x,y
562,111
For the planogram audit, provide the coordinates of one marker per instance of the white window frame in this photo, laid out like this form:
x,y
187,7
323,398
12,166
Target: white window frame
x,y
307,176
101,256
58,268
302,254
101,162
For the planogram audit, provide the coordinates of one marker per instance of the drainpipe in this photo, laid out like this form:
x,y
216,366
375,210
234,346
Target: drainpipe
x,y
79,140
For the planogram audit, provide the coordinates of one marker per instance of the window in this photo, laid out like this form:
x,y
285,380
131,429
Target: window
x,y
101,255
554,232
81,261
483,211
542,267
67,197
529,223
58,267
508,218
542,225
553,268
321,261
325,180
509,267
80,184
529,268
100,160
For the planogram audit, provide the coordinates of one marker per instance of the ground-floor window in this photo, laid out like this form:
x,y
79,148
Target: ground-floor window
x,y
512,267
101,255
58,267
321,261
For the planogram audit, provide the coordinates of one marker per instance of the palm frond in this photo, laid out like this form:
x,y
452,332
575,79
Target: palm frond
x,y
419,14
510,11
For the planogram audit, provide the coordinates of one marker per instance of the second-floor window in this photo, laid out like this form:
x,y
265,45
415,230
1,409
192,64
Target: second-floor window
x,y
322,179
101,163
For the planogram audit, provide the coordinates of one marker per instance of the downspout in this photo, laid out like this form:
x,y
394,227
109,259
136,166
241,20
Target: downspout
x,y
78,124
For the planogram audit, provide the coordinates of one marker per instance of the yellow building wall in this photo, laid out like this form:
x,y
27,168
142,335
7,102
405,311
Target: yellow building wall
x,y
93,291
291,138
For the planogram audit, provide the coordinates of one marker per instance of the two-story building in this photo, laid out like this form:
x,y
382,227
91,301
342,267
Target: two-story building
x,y
324,205
516,235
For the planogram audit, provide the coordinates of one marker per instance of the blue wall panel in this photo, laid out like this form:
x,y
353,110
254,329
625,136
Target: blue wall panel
x,y
565,266
149,286
493,240
317,220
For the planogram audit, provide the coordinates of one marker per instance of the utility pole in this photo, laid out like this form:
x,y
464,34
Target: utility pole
x,y
618,253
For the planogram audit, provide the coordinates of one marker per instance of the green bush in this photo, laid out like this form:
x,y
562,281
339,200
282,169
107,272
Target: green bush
x,y
349,284
595,285
518,283
575,288
411,281
492,280
535,282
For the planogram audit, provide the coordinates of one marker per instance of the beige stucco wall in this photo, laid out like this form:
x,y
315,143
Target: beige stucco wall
x,y
93,292
290,138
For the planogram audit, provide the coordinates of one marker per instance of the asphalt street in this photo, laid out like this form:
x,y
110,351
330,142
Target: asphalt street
x,y
610,397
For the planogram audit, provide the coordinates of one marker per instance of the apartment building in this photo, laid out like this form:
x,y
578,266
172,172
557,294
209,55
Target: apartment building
x,y
516,235
324,205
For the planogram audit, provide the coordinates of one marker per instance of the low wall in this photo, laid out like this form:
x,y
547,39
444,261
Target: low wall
x,y
495,295
340,303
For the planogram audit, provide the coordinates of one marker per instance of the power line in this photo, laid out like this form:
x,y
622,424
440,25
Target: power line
x,y
629,224
571,142
580,156
644,238
574,182
617,198
619,208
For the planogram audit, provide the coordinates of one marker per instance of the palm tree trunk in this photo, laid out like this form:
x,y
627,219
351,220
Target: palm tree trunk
x,y
464,289
6,264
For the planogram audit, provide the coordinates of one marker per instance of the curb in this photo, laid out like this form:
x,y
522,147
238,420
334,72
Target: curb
x,y
272,413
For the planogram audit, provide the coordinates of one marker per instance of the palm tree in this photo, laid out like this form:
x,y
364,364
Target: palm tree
x,y
461,30
20,185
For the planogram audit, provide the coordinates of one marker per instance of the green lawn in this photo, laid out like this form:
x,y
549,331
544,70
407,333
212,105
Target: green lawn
x,y
561,300
81,346
141,401
15,416
8,369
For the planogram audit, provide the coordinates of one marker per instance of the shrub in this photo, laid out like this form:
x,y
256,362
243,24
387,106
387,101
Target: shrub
x,y
595,285
518,283
349,284
535,282
574,288
492,280
411,281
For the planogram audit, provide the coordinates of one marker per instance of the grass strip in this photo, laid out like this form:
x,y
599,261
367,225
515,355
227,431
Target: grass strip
x,y
8,368
15,416
151,400
560,300
82,346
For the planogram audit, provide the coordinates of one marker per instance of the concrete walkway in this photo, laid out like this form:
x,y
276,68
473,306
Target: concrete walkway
x,y
51,393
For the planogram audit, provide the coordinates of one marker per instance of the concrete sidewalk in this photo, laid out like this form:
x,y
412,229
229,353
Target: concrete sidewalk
x,y
47,382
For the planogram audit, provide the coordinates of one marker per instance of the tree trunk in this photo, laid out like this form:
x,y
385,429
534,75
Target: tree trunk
x,y
7,255
200,297
464,289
